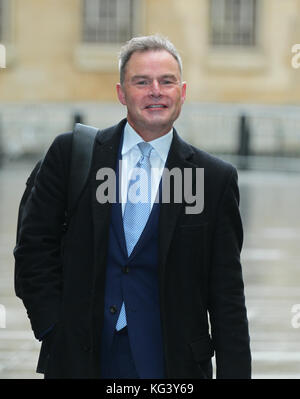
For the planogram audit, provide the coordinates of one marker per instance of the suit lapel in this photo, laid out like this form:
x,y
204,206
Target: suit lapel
x,y
147,232
179,156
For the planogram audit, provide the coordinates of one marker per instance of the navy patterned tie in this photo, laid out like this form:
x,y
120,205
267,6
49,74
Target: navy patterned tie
x,y
136,212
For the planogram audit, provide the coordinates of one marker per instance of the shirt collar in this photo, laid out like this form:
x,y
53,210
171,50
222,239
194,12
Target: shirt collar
x,y
161,144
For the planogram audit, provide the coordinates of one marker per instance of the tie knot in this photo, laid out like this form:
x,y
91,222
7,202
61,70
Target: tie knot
x,y
145,148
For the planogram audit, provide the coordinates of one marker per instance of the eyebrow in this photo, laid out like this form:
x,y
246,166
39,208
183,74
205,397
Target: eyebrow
x,y
167,76
137,77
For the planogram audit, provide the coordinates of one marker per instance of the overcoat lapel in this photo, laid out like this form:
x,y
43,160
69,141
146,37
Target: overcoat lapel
x,y
180,156
105,156
116,214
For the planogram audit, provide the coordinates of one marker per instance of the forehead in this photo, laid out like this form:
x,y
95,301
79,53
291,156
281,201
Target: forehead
x,y
152,63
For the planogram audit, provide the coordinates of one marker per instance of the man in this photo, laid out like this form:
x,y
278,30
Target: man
x,y
139,292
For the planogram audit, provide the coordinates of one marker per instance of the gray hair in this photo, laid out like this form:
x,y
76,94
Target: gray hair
x,y
143,44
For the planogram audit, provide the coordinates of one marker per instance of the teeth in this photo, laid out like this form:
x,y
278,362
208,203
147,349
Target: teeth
x,y
155,106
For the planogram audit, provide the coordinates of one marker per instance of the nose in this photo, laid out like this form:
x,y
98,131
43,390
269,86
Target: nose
x,y
155,89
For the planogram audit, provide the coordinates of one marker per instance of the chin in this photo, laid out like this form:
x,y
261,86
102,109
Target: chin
x,y
158,120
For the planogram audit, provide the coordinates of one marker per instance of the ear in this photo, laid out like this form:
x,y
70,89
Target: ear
x,y
183,92
121,94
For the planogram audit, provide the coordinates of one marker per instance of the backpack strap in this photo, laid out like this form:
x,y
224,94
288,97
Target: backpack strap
x,y
81,159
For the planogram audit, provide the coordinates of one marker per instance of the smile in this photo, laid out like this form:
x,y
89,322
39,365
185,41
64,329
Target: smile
x,y
156,106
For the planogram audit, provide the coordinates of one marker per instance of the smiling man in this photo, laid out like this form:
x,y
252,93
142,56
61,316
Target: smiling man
x,y
152,91
143,290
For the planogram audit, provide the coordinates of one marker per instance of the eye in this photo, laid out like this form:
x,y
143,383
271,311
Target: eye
x,y
166,82
142,82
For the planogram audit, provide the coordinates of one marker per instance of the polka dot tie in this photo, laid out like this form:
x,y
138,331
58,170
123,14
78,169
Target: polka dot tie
x,y
137,209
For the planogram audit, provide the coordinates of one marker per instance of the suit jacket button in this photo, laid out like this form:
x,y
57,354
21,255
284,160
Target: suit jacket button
x,y
125,269
113,309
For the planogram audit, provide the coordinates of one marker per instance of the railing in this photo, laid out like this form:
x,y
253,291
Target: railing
x,y
231,131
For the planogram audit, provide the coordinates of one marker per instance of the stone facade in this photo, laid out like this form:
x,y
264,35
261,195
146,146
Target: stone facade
x,y
50,73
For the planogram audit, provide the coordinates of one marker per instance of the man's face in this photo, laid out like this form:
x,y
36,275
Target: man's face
x,y
152,91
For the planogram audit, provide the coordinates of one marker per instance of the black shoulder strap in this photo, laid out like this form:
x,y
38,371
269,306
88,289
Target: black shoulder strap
x,y
82,152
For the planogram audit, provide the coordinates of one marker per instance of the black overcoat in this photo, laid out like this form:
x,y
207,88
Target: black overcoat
x,y
199,272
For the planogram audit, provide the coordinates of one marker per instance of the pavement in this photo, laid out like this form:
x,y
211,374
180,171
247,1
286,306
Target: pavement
x,y
271,268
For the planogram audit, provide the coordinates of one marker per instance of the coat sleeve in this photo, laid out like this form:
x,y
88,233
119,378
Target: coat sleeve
x,y
38,271
227,310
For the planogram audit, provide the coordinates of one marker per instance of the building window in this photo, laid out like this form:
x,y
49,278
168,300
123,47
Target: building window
x,y
6,9
105,26
107,21
1,20
233,22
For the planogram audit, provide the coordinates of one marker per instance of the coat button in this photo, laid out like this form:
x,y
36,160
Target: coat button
x,y
125,269
113,309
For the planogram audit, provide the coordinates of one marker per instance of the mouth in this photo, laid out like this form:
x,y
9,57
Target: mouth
x,y
156,106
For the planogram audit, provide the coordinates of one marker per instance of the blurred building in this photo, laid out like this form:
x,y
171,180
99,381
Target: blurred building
x,y
237,55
